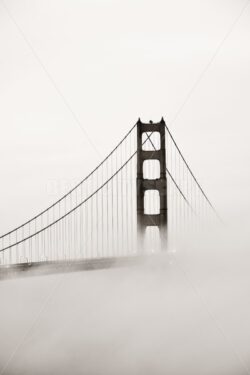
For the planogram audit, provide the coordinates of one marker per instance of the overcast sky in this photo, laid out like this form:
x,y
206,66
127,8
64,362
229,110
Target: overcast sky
x,y
75,76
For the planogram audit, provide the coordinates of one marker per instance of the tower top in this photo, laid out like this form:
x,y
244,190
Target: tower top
x,y
162,121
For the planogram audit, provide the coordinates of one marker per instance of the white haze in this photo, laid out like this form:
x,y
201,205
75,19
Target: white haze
x,y
186,312
113,61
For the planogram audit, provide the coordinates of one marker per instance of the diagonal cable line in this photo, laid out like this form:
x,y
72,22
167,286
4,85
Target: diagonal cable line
x,y
74,208
172,178
195,85
190,171
198,294
49,76
183,196
74,188
36,318
210,62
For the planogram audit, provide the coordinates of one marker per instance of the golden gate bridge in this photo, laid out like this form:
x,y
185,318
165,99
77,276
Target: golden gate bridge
x,y
138,200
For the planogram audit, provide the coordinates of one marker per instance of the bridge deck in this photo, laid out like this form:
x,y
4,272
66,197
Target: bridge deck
x,y
64,266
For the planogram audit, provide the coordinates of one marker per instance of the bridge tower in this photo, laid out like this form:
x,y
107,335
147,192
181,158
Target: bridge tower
x,y
160,184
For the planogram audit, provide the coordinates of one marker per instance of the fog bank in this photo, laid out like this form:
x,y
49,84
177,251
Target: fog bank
x,y
184,312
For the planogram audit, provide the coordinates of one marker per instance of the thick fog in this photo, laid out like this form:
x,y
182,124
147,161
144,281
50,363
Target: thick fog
x,y
74,74
183,312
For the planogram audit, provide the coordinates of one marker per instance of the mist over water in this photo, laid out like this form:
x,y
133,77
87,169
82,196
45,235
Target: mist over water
x,y
182,312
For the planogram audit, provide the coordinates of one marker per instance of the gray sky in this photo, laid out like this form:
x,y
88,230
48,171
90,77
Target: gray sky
x,y
105,63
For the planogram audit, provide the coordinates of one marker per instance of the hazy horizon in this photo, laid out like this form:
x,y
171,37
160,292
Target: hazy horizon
x,y
75,77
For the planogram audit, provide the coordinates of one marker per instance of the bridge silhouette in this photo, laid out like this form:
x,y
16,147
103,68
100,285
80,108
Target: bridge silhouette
x,y
101,218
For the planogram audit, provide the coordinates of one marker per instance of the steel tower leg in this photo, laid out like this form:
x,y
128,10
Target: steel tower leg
x,y
159,184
